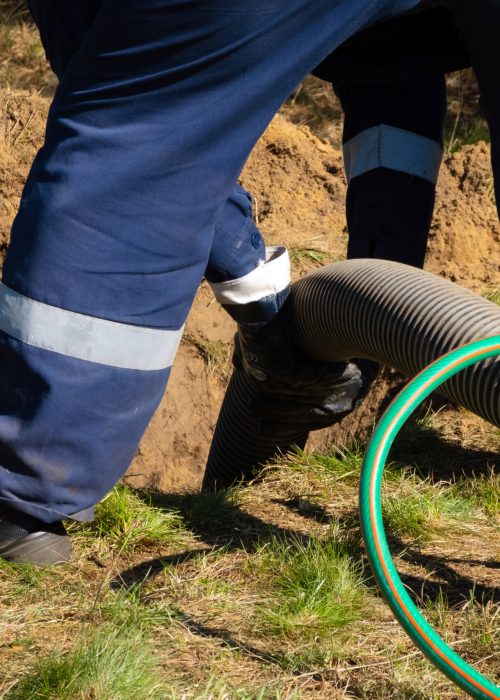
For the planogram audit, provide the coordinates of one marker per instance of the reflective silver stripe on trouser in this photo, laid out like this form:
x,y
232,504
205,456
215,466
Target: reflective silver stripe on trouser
x,y
269,278
85,337
385,146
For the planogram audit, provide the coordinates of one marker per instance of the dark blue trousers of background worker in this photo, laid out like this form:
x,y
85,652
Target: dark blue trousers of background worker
x,y
150,127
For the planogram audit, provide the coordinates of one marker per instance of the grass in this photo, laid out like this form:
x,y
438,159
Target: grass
x,y
483,491
23,578
339,464
494,296
22,64
474,621
308,257
315,588
481,624
215,354
258,592
215,689
113,663
124,522
416,509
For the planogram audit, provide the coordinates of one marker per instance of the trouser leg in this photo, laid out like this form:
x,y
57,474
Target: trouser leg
x,y
150,127
63,25
392,150
479,26
238,246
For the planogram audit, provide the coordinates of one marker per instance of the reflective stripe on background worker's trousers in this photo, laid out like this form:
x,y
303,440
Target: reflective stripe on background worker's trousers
x,y
147,134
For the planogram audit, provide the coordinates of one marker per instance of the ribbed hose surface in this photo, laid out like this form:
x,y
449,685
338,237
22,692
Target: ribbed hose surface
x,y
238,446
385,311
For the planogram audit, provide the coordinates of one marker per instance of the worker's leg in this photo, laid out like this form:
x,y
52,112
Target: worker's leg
x,y
392,151
479,26
238,247
150,127
63,25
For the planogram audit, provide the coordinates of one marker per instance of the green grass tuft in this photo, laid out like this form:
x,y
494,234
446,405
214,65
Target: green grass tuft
x,y
313,257
126,523
419,510
340,464
26,579
134,608
116,663
315,588
483,491
494,296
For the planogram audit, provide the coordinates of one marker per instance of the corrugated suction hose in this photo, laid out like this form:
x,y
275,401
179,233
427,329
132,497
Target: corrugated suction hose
x,y
395,314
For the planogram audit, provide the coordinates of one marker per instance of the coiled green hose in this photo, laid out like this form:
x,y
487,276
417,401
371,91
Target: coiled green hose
x,y
422,634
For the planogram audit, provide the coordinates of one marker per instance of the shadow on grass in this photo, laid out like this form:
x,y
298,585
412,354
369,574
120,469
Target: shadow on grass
x,y
228,640
139,573
304,507
426,450
218,521
455,586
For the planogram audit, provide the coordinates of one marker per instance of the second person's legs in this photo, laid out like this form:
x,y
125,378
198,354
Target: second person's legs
x,y
478,24
392,154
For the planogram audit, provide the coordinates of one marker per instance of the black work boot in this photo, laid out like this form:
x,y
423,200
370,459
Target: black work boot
x,y
26,540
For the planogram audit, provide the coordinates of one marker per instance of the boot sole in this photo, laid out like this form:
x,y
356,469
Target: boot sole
x,y
38,548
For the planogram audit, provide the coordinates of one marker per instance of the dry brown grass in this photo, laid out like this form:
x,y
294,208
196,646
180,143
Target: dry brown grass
x,y
215,354
22,58
200,599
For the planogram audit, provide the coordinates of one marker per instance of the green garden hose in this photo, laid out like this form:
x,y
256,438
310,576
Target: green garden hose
x,y
422,634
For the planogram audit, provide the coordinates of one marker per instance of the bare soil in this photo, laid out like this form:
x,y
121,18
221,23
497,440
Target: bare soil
x,y
299,189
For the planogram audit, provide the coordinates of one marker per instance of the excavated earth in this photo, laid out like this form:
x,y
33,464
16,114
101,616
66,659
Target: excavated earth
x,y
299,190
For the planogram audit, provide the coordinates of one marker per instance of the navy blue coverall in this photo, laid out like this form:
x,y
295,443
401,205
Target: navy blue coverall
x,y
151,124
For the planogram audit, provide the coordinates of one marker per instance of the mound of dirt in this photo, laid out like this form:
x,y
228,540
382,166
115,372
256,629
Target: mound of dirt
x,y
22,125
464,242
299,190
